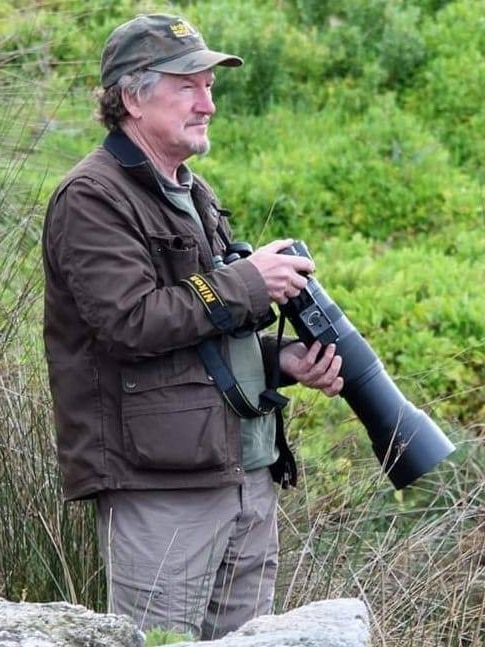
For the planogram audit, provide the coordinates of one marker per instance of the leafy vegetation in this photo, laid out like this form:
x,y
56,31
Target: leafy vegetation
x,y
359,128
159,636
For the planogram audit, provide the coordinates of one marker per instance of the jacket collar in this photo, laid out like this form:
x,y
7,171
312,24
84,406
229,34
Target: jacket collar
x,y
126,152
134,160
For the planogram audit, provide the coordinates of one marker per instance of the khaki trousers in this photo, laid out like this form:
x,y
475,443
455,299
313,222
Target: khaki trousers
x,y
196,561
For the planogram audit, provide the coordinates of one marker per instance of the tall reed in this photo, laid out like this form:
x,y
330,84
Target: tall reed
x,y
417,559
47,550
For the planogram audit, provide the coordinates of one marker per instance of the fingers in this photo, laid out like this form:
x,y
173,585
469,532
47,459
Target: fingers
x,y
277,245
329,365
322,373
316,361
335,388
291,289
284,275
313,368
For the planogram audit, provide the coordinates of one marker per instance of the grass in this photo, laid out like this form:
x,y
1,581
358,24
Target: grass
x,y
417,560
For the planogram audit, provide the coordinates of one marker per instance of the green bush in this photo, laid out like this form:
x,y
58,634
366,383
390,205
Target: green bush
x,y
402,48
356,33
318,174
156,637
449,91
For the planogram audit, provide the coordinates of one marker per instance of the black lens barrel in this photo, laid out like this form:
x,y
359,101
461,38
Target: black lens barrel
x,y
406,441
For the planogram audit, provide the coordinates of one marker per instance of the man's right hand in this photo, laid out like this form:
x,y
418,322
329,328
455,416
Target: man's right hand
x,y
281,273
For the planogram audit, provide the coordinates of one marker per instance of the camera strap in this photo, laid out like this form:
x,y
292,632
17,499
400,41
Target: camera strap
x,y
284,470
270,401
215,366
216,309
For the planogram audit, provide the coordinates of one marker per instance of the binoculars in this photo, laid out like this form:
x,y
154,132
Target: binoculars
x,y
405,439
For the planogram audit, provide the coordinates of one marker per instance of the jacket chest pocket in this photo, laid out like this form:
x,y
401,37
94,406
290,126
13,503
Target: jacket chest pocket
x,y
174,258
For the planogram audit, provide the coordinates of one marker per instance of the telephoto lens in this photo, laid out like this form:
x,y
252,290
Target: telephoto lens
x,y
406,441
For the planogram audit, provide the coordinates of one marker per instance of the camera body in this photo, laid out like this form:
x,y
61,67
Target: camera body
x,y
234,252
405,440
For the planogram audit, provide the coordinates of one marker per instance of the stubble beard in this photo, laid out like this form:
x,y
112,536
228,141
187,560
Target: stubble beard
x,y
200,148
199,145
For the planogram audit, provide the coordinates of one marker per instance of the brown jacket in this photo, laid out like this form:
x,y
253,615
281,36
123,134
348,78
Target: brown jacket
x,y
134,408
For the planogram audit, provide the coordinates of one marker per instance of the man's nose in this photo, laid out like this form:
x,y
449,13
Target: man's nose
x,y
205,103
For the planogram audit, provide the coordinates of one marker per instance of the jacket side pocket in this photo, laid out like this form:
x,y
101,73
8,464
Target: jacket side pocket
x,y
172,426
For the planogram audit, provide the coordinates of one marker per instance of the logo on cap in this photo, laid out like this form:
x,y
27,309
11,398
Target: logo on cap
x,y
182,29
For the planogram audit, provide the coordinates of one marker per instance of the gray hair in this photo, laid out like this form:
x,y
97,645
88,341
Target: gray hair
x,y
111,109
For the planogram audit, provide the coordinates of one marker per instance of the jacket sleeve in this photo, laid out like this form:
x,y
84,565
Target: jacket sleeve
x,y
271,350
96,247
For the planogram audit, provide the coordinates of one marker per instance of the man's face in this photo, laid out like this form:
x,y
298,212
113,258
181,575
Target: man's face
x,y
175,119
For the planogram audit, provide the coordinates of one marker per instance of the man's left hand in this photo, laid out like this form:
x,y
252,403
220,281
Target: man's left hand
x,y
301,363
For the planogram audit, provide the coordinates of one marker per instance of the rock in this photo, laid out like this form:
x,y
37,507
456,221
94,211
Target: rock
x,y
59,624
328,623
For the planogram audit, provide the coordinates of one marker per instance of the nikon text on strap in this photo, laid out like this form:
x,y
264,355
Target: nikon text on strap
x,y
216,309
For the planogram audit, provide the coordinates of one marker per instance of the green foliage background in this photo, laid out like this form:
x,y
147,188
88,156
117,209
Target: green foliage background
x,y
357,126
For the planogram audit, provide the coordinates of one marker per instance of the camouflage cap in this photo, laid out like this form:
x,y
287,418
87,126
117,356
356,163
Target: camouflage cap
x,y
158,42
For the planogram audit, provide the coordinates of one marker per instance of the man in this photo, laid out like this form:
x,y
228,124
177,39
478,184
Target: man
x,y
138,307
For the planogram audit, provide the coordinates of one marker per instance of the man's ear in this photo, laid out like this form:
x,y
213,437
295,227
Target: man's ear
x,y
131,104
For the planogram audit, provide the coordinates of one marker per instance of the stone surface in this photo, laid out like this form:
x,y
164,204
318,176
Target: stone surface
x,y
58,624
328,623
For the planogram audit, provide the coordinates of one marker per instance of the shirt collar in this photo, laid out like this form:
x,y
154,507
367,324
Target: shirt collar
x,y
185,180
